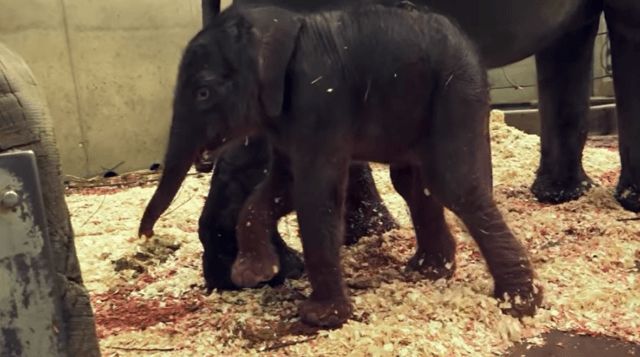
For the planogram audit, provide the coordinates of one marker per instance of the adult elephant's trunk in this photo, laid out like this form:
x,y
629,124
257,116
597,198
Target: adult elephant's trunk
x,y
180,156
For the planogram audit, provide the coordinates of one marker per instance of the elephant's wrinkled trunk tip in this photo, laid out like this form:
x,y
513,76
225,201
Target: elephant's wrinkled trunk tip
x,y
146,231
177,164
148,220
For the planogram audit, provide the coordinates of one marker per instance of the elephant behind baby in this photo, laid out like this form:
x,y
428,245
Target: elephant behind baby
x,y
561,35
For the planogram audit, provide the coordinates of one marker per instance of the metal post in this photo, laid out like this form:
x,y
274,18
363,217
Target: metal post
x,y
29,296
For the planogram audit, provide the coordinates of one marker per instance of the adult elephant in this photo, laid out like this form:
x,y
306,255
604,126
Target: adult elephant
x,y
561,35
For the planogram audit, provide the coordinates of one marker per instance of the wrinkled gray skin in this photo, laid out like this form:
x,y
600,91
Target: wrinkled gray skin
x,y
561,35
392,84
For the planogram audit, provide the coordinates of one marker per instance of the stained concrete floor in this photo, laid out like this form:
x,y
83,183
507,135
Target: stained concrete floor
x,y
564,344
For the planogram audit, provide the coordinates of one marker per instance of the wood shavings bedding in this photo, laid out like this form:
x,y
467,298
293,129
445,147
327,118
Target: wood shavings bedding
x,y
586,259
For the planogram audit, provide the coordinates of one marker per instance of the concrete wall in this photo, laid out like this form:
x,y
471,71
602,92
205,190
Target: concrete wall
x,y
107,69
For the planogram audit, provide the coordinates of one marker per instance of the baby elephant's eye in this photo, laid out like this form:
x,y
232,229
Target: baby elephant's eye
x,y
202,93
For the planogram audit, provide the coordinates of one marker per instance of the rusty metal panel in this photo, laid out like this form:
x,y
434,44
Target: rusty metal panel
x,y
29,299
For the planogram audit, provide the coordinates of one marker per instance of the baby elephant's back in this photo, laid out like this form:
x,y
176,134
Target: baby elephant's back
x,y
390,36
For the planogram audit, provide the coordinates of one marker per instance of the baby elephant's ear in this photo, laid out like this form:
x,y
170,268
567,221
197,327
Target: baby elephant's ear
x,y
276,31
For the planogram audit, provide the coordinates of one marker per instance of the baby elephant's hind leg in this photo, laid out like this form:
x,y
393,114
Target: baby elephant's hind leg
x,y
435,253
507,259
456,165
464,186
257,259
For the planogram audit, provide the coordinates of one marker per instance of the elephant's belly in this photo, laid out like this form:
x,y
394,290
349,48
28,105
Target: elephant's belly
x,y
510,30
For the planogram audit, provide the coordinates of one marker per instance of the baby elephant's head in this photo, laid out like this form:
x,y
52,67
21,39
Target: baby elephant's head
x,y
231,78
216,95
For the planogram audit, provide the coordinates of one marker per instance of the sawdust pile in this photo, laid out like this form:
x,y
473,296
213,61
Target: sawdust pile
x,y
586,258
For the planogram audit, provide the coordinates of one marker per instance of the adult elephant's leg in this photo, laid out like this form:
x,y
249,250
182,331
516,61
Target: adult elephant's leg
x,y
257,260
366,214
236,175
436,248
564,86
623,23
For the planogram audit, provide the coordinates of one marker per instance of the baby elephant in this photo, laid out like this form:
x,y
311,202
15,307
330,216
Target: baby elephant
x,y
390,84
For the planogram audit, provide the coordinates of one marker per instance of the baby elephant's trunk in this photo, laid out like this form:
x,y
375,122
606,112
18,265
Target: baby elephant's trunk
x,y
177,164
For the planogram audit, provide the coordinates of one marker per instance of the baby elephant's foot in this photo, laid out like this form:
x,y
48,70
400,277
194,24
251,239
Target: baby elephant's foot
x,y
519,302
432,267
325,313
249,270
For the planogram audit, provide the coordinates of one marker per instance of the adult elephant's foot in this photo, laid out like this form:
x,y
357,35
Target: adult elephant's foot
x,y
519,301
548,189
252,268
291,266
628,196
365,213
432,266
367,220
325,313
217,272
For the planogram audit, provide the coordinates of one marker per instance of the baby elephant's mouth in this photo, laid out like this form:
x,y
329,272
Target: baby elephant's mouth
x,y
219,147
223,143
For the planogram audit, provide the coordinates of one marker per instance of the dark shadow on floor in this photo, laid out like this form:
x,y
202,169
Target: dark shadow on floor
x,y
564,344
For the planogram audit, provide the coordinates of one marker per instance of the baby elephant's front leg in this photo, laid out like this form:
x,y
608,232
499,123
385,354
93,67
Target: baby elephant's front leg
x,y
257,260
319,195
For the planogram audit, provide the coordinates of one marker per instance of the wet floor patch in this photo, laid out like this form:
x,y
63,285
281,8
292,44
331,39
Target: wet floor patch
x,y
567,344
